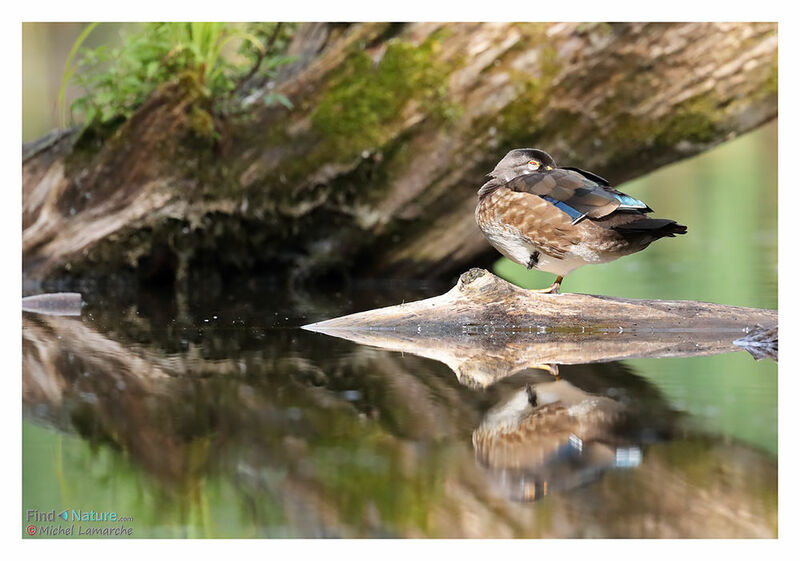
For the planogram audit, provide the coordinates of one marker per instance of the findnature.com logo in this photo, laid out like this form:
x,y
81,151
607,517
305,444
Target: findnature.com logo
x,y
49,523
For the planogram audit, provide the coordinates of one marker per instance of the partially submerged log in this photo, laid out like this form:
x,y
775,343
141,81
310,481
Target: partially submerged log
x,y
485,328
481,300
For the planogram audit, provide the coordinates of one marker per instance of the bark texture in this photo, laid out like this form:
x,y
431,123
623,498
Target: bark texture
x,y
486,329
483,302
393,128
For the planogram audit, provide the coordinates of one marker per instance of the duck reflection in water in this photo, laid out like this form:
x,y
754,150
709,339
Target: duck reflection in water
x,y
550,436
580,415
283,433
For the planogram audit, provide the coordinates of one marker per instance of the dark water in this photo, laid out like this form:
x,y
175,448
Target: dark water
x,y
213,415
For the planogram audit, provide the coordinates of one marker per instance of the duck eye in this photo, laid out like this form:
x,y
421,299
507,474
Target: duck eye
x,y
534,164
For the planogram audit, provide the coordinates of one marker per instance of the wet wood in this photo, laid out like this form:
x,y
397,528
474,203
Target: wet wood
x,y
480,359
483,301
486,329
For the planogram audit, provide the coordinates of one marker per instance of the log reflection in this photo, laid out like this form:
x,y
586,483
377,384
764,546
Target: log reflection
x,y
480,359
361,444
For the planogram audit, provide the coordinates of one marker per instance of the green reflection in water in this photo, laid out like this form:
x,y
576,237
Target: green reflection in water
x,y
728,197
729,393
361,471
67,472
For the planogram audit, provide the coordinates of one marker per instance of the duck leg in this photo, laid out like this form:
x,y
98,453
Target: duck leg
x,y
552,289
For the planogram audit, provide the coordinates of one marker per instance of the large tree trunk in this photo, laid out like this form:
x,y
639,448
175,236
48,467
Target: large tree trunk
x,y
393,128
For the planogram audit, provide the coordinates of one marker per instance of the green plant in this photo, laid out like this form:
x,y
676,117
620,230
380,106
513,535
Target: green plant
x,y
218,58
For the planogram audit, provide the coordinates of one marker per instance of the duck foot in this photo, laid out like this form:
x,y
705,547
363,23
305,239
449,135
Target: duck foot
x,y
554,288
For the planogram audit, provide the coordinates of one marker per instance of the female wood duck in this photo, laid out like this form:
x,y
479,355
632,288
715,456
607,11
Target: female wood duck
x,y
558,219
553,437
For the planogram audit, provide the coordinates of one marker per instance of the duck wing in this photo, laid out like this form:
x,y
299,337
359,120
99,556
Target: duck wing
x,y
628,202
578,193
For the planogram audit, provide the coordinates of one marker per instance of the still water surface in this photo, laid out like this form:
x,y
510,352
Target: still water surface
x,y
213,415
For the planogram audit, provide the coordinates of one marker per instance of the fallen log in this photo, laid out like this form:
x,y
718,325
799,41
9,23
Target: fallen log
x,y
393,128
481,300
486,329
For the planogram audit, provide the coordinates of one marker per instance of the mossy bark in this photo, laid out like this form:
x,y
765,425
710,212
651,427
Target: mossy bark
x,y
393,128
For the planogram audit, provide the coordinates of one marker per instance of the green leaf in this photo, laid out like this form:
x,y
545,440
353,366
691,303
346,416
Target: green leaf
x,y
273,97
117,80
68,70
89,115
152,68
280,60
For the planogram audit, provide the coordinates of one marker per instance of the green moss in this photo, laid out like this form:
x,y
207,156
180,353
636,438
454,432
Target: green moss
x,y
361,109
600,28
521,118
694,120
471,275
771,84
362,104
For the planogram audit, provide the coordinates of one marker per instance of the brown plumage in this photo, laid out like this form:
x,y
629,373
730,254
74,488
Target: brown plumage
x,y
558,219
524,434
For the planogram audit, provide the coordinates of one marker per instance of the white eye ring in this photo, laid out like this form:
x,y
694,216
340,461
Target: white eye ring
x,y
533,164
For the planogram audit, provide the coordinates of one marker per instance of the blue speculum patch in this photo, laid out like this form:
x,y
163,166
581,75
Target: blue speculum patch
x,y
562,206
630,201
